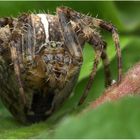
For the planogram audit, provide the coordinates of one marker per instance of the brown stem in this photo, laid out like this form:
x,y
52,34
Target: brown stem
x,y
129,85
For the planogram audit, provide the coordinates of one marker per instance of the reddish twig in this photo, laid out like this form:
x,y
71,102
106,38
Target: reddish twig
x,y
130,85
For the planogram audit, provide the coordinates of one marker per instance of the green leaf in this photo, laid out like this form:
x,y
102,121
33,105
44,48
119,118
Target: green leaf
x,y
129,15
111,120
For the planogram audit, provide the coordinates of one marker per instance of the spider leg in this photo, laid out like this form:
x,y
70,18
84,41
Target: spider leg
x,y
99,47
98,53
70,38
87,20
105,61
109,27
106,64
17,70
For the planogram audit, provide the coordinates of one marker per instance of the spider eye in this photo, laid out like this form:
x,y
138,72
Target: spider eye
x,y
47,58
53,45
67,60
59,57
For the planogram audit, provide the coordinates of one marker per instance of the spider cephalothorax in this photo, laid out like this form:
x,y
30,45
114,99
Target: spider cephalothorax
x,y
42,55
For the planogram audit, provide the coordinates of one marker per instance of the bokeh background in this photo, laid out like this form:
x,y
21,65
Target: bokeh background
x,y
119,119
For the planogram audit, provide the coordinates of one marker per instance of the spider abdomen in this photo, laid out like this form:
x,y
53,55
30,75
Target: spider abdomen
x,y
48,71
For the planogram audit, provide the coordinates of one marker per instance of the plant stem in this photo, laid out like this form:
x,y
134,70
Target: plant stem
x,y
129,85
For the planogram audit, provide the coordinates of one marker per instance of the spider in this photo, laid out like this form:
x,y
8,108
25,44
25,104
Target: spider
x,y
45,53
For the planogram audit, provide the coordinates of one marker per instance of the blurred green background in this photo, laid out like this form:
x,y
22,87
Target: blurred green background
x,y
118,119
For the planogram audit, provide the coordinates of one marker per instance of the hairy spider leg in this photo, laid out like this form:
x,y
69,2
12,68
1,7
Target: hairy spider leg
x,y
14,56
96,41
106,64
109,27
100,52
75,16
99,48
70,38
17,70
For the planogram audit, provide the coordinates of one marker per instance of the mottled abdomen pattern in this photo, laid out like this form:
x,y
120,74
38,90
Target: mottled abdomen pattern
x,y
47,70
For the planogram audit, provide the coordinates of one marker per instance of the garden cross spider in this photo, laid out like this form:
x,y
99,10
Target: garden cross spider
x,y
45,52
